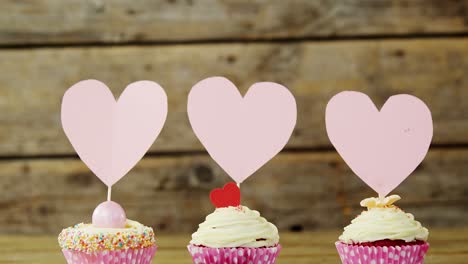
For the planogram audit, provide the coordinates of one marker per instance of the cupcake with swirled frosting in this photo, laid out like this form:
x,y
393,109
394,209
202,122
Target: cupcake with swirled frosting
x,y
234,234
383,234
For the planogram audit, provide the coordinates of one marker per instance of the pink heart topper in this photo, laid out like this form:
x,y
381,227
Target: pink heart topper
x,y
111,137
381,147
241,133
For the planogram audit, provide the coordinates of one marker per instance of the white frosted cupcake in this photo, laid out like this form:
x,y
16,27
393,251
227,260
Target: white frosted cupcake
x,y
383,234
235,234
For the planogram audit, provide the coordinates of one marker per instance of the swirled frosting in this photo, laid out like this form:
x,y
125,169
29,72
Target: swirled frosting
x,y
381,221
88,238
235,227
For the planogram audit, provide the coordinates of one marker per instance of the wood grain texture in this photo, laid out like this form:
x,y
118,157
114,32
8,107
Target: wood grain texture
x,y
98,21
440,182
33,82
302,191
447,246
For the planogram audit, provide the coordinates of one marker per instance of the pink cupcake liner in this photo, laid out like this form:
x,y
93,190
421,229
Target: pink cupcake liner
x,y
411,254
124,256
243,255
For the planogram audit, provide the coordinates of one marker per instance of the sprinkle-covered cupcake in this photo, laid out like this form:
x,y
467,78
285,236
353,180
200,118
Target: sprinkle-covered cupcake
x,y
234,233
93,243
110,141
383,234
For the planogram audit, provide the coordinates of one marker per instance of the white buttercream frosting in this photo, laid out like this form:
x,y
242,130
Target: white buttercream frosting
x,y
235,227
130,225
381,221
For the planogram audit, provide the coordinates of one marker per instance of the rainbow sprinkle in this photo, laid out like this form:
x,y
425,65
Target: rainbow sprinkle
x,y
77,238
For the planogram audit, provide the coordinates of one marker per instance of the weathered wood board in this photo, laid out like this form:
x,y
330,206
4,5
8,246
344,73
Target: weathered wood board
x,y
439,183
98,21
300,191
447,246
316,48
33,82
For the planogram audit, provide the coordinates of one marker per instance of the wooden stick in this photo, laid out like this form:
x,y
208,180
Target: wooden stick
x,y
109,190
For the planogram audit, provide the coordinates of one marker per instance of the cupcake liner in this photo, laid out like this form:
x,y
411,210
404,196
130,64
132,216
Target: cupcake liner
x,y
242,255
410,254
124,256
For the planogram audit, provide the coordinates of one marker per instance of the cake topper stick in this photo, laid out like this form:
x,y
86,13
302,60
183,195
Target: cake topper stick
x,y
241,133
109,191
111,136
381,197
381,147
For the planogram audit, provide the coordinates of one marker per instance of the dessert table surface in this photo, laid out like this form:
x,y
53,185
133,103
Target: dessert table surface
x,y
447,246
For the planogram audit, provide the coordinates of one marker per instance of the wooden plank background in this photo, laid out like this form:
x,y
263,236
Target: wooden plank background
x,y
316,48
99,21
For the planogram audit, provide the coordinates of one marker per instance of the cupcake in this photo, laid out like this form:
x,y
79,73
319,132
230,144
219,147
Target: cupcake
x,y
383,234
234,234
110,141
94,243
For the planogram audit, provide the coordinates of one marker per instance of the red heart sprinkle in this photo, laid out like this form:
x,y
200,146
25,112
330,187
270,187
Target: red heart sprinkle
x,y
227,196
